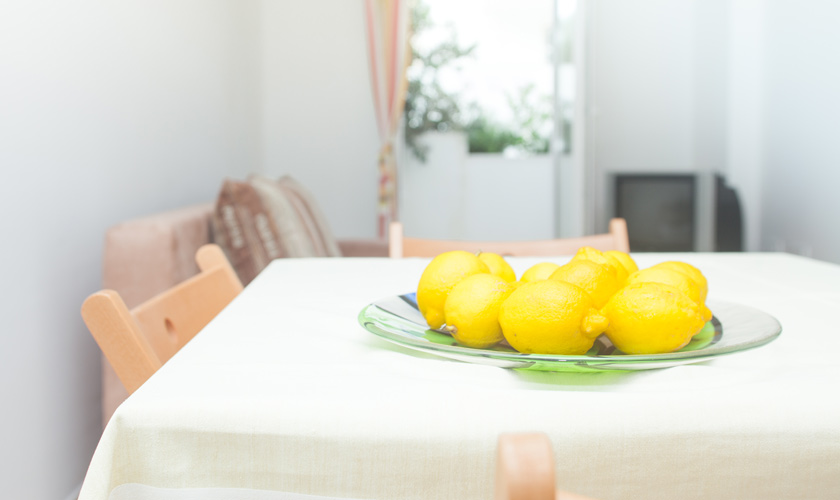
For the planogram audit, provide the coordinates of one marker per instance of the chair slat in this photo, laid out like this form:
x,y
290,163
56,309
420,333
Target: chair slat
x,y
138,342
616,239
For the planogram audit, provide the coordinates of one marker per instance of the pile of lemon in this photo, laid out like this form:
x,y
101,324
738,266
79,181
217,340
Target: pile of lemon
x,y
555,309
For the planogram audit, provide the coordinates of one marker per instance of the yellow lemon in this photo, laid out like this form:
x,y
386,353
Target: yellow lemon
x,y
595,279
625,260
651,318
550,317
498,266
690,271
599,257
472,310
538,272
675,279
438,279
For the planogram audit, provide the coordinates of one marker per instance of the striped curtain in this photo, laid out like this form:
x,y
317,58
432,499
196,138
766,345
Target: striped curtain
x,y
387,23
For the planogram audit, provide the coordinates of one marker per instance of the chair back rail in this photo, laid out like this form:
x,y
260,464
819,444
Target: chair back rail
x,y
139,341
400,246
172,319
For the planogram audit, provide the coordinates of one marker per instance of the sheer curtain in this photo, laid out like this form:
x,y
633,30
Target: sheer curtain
x,y
387,24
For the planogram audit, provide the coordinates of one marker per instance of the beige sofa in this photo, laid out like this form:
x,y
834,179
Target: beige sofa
x,y
143,257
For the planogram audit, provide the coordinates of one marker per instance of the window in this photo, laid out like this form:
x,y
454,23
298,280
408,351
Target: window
x,y
488,69
491,88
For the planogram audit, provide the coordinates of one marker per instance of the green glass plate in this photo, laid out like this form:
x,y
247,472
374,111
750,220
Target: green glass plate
x,y
733,328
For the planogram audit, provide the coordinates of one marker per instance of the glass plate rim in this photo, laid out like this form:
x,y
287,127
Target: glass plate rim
x,y
701,354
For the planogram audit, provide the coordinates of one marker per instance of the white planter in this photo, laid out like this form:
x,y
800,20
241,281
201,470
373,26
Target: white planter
x,y
432,192
456,195
509,198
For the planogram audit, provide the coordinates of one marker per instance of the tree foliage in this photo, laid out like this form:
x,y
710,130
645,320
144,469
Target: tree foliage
x,y
430,107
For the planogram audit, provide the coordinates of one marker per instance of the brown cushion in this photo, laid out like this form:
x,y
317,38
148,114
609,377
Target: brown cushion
x,y
263,219
297,214
244,229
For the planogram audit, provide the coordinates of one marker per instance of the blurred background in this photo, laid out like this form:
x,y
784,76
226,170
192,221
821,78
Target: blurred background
x,y
708,124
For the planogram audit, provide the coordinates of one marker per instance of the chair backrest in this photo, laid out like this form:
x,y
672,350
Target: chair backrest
x,y
616,239
525,469
139,341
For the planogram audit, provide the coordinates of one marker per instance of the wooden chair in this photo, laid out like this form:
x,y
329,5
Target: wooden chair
x,y
139,341
615,239
525,469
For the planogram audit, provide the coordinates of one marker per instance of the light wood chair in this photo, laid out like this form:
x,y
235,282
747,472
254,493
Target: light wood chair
x,y
525,469
400,246
139,341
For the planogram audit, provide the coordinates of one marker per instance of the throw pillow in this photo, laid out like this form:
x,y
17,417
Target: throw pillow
x,y
244,229
302,227
263,219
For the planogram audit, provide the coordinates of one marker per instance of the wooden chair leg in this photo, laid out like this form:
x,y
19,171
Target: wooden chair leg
x,y
524,467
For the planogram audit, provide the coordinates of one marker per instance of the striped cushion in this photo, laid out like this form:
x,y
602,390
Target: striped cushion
x,y
311,217
263,219
243,227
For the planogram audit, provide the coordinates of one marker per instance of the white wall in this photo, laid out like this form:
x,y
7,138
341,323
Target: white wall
x,y
642,84
748,88
641,91
657,95
745,101
108,110
802,120
317,108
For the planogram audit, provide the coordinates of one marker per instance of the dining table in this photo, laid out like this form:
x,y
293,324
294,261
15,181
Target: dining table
x,y
294,388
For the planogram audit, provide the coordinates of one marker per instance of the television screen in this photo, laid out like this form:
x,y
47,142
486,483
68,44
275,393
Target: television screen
x,y
659,210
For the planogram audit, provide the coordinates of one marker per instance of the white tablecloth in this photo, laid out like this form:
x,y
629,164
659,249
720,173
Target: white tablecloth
x,y
285,391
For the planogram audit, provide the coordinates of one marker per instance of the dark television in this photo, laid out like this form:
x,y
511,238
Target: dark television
x,y
659,210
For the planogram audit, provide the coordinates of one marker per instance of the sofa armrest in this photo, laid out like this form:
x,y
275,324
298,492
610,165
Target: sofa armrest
x,y
363,247
147,255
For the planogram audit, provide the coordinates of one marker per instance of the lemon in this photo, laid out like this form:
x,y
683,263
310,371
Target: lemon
x,y
595,279
625,260
498,266
472,310
690,271
539,272
438,279
550,317
675,279
651,318
599,257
